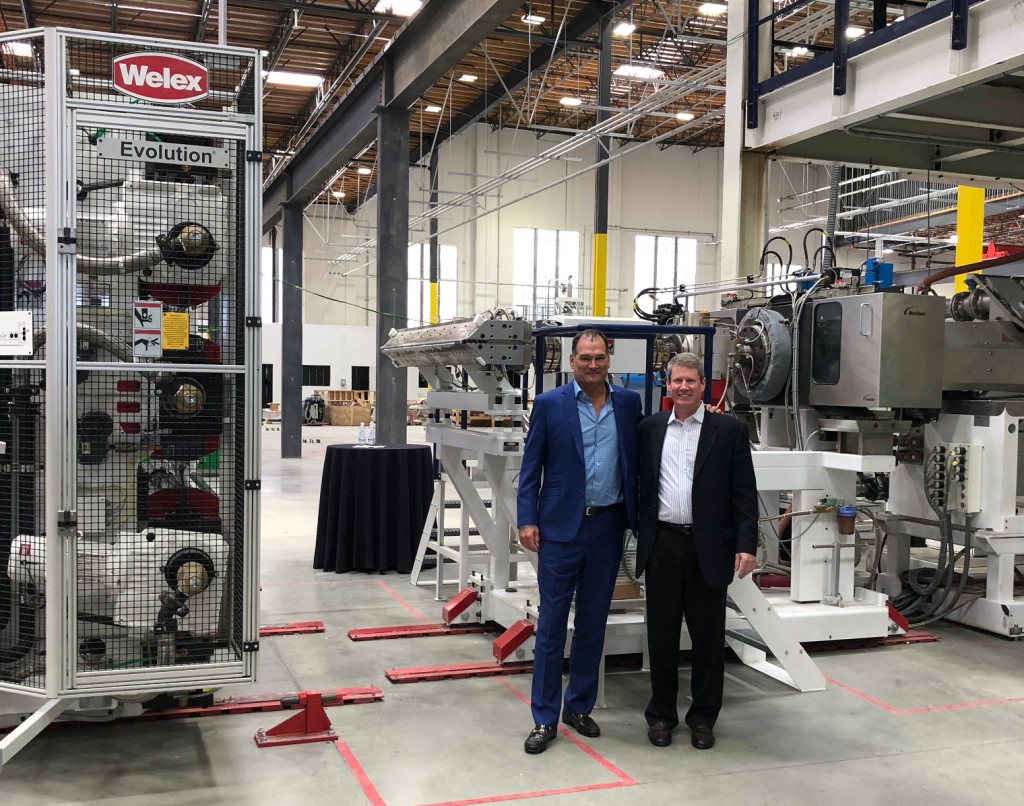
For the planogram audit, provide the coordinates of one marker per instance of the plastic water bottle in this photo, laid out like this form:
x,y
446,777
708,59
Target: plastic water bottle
x,y
362,433
371,435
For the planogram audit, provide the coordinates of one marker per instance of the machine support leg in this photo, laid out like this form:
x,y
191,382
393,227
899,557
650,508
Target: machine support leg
x,y
30,728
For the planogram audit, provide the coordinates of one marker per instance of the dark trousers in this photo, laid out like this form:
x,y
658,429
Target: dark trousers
x,y
585,566
676,588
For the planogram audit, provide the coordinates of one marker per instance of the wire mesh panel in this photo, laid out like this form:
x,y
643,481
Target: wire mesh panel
x,y
154,537
22,370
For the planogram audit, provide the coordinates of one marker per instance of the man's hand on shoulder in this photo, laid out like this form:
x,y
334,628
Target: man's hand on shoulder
x,y
529,537
744,564
713,408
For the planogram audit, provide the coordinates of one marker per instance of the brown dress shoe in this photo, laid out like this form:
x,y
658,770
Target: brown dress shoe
x,y
659,734
703,737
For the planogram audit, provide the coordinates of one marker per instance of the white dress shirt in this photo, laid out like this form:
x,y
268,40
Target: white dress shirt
x,y
675,488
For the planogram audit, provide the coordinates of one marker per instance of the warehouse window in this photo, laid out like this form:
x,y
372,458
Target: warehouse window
x,y
545,262
418,311
316,375
775,271
662,261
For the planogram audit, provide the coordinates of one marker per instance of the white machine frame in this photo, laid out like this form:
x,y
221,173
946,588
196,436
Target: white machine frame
x,y
70,689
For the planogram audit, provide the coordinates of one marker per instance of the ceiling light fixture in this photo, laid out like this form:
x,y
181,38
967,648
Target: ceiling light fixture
x,y
400,8
686,116
468,78
432,108
338,194
364,171
283,78
532,19
799,50
853,32
623,29
712,9
639,71
19,49
569,100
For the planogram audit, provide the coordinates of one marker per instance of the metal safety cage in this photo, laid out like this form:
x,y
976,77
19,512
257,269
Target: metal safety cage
x,y
129,240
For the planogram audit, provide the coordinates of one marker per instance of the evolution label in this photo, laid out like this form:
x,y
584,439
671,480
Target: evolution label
x,y
111,148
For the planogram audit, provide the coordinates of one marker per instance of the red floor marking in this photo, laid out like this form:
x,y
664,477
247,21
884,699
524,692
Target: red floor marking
x,y
416,614
539,794
564,731
315,582
369,789
926,709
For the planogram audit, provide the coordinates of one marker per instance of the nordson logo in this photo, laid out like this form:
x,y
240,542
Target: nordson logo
x,y
914,312
161,77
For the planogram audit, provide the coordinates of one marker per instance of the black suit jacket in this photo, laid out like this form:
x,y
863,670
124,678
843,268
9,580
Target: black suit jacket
x,y
724,494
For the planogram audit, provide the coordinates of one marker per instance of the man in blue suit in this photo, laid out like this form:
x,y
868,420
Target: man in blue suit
x,y
577,495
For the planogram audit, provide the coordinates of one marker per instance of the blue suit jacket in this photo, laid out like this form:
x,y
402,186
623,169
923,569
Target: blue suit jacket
x,y
552,481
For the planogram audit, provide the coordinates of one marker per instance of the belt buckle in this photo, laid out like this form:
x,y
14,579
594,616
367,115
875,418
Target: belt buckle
x,y
588,511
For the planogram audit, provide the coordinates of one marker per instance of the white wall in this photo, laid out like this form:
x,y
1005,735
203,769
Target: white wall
x,y
670,192
337,346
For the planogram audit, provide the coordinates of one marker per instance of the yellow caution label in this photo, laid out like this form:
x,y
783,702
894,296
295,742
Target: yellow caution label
x,y
175,331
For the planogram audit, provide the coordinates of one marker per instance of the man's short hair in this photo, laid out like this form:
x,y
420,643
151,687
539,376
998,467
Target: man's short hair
x,y
687,361
589,333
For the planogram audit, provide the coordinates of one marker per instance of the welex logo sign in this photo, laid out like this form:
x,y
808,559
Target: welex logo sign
x,y
161,77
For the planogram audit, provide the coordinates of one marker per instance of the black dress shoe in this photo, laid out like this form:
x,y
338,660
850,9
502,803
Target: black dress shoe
x,y
583,723
703,737
539,739
659,734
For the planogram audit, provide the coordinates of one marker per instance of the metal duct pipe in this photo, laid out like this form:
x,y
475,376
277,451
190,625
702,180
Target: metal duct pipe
x,y
122,264
110,343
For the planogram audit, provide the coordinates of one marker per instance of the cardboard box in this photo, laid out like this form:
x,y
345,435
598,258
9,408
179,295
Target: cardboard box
x,y
348,415
626,590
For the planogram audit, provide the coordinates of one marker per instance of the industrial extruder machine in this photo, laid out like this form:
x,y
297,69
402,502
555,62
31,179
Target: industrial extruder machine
x,y
912,402
482,364
129,244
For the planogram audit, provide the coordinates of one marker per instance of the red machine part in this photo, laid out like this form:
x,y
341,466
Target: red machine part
x,y
311,724
510,640
414,631
163,503
187,296
295,628
457,604
455,671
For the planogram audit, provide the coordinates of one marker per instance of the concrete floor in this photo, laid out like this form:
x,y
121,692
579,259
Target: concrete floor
x,y
936,723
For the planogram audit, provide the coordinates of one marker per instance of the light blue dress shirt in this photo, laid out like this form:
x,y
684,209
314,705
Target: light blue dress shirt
x,y
600,450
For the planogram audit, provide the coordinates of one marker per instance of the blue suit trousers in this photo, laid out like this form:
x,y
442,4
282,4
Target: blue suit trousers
x,y
587,567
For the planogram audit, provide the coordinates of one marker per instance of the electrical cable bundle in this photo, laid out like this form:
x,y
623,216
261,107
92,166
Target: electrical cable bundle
x,y
932,593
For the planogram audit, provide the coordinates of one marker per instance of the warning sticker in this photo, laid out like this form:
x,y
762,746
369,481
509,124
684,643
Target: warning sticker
x,y
147,319
175,331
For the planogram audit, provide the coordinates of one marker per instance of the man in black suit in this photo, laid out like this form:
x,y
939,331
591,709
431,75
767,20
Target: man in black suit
x,y
697,527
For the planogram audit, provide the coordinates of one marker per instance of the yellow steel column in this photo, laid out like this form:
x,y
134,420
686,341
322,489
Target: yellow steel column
x,y
434,286
970,219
